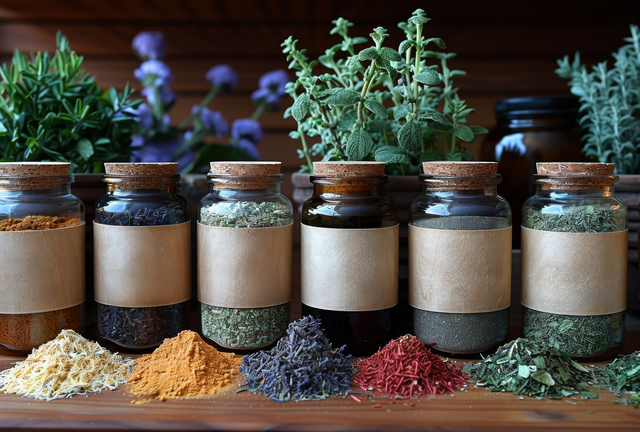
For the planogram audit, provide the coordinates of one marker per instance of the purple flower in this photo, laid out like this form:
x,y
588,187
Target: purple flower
x,y
145,116
222,76
156,150
154,73
272,89
246,129
149,45
213,121
248,147
167,96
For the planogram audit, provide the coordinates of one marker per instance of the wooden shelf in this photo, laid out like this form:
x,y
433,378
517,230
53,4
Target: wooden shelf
x,y
475,409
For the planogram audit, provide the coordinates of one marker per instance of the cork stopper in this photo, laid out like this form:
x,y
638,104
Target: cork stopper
x,y
244,175
34,175
460,175
575,175
348,169
141,175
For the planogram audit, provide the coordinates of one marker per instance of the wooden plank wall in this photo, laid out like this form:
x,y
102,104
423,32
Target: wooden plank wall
x,y
508,48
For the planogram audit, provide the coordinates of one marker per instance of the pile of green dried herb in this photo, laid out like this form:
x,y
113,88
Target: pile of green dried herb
x,y
246,214
302,366
528,368
622,378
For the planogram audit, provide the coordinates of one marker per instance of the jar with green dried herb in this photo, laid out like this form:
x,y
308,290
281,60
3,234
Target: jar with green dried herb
x,y
142,256
42,255
245,247
349,255
460,258
574,260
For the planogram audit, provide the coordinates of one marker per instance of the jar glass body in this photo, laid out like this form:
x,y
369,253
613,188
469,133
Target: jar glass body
x,y
351,203
52,199
588,337
141,328
447,205
229,206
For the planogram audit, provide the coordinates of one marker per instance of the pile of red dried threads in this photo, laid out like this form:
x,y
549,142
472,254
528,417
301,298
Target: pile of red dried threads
x,y
406,368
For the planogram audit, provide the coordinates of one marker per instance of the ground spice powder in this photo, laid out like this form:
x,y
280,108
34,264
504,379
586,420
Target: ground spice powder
x,y
182,367
34,223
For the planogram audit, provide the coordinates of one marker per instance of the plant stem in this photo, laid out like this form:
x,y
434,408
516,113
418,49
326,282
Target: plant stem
x,y
208,98
417,66
305,149
365,89
196,136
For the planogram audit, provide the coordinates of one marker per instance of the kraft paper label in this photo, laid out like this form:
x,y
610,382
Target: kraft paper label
x,y
42,271
459,271
349,269
574,273
142,266
245,267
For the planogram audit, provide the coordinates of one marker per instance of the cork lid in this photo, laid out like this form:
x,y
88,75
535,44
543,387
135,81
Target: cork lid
x,y
34,175
348,169
575,175
245,174
461,175
141,168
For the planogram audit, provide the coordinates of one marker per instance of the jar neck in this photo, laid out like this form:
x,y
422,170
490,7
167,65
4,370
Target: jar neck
x,y
124,184
49,185
598,192
349,186
481,184
224,189
246,182
584,185
460,193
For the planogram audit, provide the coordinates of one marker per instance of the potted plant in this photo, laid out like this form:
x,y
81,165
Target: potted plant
x,y
378,103
610,103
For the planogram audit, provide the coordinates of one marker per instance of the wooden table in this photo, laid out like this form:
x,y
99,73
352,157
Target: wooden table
x,y
475,409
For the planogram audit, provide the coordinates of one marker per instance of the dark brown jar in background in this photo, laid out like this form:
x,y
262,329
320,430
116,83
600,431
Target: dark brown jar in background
x,y
531,130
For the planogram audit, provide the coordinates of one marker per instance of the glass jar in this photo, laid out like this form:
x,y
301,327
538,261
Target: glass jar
x,y
530,130
42,255
245,254
574,260
142,250
349,255
460,258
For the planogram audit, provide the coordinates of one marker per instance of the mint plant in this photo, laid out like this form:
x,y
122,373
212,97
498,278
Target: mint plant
x,y
610,103
379,103
52,110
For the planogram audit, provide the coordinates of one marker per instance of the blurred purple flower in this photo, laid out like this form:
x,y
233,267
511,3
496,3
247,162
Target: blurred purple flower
x,y
248,147
222,76
154,72
246,129
213,121
272,89
167,96
149,45
160,151
145,116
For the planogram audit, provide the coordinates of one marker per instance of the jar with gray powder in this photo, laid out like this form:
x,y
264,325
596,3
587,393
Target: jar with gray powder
x,y
460,258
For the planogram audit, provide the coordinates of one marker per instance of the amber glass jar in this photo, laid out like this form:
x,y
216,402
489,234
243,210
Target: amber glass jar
x,y
42,255
574,260
349,250
245,253
142,250
530,130
460,258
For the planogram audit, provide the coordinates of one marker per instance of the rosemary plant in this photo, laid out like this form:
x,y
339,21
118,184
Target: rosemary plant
x,y
610,101
379,103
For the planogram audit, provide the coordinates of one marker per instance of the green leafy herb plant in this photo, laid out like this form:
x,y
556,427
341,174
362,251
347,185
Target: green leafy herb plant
x,y
610,103
51,109
379,103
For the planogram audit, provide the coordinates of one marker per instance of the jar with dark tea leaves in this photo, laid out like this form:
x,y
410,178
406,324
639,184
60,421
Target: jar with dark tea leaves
x,y
460,258
574,260
42,255
349,249
142,250
245,247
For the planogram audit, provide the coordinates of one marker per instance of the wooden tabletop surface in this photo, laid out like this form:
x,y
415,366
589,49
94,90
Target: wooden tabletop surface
x,y
474,409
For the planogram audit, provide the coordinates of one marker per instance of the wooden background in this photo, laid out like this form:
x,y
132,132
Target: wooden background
x,y
508,48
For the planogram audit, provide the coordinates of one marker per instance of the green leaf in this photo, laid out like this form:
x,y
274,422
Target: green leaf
x,y
347,120
405,45
3,130
344,97
85,148
478,130
524,371
400,112
370,53
300,107
436,41
385,65
544,377
441,127
436,117
390,54
463,132
429,77
359,145
392,154
410,136
376,107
